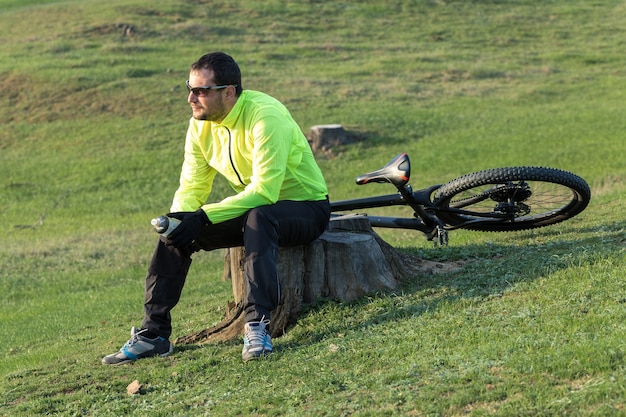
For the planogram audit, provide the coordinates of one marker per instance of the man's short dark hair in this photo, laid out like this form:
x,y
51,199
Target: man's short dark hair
x,y
225,69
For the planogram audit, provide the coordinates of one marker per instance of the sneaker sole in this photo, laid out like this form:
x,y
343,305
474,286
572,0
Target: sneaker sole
x,y
169,352
256,356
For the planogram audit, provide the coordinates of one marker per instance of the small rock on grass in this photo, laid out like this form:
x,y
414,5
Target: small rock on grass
x,y
134,388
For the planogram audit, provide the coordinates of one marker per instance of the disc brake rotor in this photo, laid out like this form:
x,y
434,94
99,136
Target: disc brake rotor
x,y
511,192
510,199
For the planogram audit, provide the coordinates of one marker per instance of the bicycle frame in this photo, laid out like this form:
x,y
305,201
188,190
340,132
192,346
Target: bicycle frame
x,y
424,220
505,189
417,200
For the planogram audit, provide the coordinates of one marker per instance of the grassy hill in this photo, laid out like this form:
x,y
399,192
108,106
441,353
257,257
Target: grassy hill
x,y
93,115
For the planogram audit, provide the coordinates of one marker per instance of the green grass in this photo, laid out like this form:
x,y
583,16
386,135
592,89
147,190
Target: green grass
x,y
93,123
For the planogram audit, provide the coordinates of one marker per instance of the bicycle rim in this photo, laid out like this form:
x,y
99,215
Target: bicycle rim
x,y
514,198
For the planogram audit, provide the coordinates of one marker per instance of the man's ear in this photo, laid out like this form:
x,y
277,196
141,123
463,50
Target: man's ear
x,y
231,91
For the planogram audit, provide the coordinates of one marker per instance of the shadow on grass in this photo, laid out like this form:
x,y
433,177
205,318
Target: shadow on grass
x,y
616,228
489,271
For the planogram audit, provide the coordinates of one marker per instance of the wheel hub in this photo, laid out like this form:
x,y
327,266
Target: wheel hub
x,y
510,199
511,192
515,209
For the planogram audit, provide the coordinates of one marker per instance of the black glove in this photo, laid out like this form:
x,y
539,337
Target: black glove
x,y
191,224
180,215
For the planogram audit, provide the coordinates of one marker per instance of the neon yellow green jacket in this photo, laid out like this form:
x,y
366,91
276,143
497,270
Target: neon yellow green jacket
x,y
259,149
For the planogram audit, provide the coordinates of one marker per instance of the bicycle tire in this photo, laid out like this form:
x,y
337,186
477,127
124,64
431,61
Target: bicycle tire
x,y
535,197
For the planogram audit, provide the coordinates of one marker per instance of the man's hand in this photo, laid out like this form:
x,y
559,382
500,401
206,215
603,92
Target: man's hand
x,y
191,224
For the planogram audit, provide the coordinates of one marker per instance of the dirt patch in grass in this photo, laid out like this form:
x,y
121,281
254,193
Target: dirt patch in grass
x,y
45,101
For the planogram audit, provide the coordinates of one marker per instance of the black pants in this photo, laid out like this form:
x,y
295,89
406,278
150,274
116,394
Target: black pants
x,y
261,231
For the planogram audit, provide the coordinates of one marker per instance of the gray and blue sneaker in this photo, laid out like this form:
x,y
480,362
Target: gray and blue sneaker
x,y
257,341
139,347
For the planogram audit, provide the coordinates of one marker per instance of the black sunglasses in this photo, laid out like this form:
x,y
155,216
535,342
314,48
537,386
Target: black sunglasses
x,y
204,90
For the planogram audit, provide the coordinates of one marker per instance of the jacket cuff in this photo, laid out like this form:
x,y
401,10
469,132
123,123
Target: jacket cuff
x,y
203,216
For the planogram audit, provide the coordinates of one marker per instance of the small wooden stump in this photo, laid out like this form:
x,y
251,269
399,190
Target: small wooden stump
x,y
323,138
347,262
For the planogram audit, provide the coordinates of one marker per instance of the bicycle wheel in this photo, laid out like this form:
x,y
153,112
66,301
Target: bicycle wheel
x,y
514,198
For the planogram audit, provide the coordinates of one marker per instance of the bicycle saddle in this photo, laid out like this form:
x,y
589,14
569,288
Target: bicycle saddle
x,y
397,172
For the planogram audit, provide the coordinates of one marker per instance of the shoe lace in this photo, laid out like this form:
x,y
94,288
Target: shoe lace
x,y
134,338
256,335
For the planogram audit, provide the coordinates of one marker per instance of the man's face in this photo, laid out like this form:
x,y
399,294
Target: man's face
x,y
208,104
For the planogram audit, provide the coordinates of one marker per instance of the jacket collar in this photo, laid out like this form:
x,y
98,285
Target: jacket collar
x,y
231,118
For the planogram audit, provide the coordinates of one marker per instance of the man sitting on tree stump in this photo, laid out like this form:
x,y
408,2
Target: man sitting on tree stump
x,y
281,199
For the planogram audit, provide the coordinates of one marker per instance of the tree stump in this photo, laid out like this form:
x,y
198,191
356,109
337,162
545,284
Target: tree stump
x,y
324,137
347,262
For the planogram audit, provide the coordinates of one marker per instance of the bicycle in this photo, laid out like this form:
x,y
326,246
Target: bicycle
x,y
492,200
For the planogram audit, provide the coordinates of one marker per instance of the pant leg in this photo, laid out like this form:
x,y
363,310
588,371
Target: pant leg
x,y
286,223
261,231
164,283
168,270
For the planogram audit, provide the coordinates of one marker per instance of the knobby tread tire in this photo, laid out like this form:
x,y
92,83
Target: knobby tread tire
x,y
570,195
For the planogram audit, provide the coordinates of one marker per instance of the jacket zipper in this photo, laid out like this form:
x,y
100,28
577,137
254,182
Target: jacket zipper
x,y
230,156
